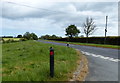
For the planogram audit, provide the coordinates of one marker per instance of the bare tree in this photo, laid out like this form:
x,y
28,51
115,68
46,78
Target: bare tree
x,y
89,27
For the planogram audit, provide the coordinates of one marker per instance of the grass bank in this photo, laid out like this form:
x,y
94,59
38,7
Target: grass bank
x,y
89,44
29,61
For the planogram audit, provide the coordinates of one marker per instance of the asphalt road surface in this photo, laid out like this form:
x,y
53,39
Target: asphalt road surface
x,y
103,62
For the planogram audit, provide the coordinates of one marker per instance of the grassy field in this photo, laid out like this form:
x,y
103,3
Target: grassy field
x,y
89,44
29,61
16,39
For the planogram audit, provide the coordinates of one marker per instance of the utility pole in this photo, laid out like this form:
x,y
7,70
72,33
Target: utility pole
x,y
105,29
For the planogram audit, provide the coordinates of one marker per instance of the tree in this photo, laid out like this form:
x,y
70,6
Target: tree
x,y
54,37
72,31
27,35
45,37
49,37
19,36
31,36
89,27
34,36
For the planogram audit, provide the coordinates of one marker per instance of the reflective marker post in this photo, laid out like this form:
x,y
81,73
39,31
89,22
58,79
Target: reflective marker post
x,y
51,62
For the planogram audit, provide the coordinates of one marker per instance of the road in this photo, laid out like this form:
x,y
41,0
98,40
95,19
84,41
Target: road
x,y
103,62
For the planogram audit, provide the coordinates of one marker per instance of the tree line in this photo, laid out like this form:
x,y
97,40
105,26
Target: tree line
x,y
89,28
71,31
26,35
49,37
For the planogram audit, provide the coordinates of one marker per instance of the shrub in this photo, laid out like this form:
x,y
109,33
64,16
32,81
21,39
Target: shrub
x,y
23,39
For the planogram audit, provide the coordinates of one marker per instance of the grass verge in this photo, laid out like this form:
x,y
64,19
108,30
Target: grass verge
x,y
29,61
89,44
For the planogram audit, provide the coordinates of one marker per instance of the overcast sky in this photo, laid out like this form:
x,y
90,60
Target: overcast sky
x,y
44,17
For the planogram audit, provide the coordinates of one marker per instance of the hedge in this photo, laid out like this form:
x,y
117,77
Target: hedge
x,y
96,40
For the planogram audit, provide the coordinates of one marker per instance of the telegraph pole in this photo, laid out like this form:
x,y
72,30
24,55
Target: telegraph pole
x,y
105,29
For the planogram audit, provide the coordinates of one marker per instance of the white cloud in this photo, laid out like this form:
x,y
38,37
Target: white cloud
x,y
48,17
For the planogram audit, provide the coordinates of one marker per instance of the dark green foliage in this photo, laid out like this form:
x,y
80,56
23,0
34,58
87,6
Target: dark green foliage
x,y
34,36
45,37
96,40
19,36
49,37
23,39
30,36
72,31
7,37
27,35
54,36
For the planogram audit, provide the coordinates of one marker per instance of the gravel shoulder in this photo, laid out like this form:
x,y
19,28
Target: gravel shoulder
x,y
82,68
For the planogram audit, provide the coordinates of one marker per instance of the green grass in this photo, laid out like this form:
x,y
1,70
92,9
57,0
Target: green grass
x,y
89,44
29,61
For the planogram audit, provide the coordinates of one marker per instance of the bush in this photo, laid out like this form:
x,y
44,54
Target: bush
x,y
19,36
23,39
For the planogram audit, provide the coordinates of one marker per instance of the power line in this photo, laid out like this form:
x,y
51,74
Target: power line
x,y
35,7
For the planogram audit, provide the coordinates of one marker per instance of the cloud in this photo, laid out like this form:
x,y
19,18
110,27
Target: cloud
x,y
44,17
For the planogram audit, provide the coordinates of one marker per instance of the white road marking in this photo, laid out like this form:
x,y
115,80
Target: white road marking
x,y
100,56
71,45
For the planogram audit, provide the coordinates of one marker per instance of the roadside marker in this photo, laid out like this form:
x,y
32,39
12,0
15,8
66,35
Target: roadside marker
x,y
51,62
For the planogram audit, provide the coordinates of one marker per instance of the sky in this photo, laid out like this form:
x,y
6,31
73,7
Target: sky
x,y
53,16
